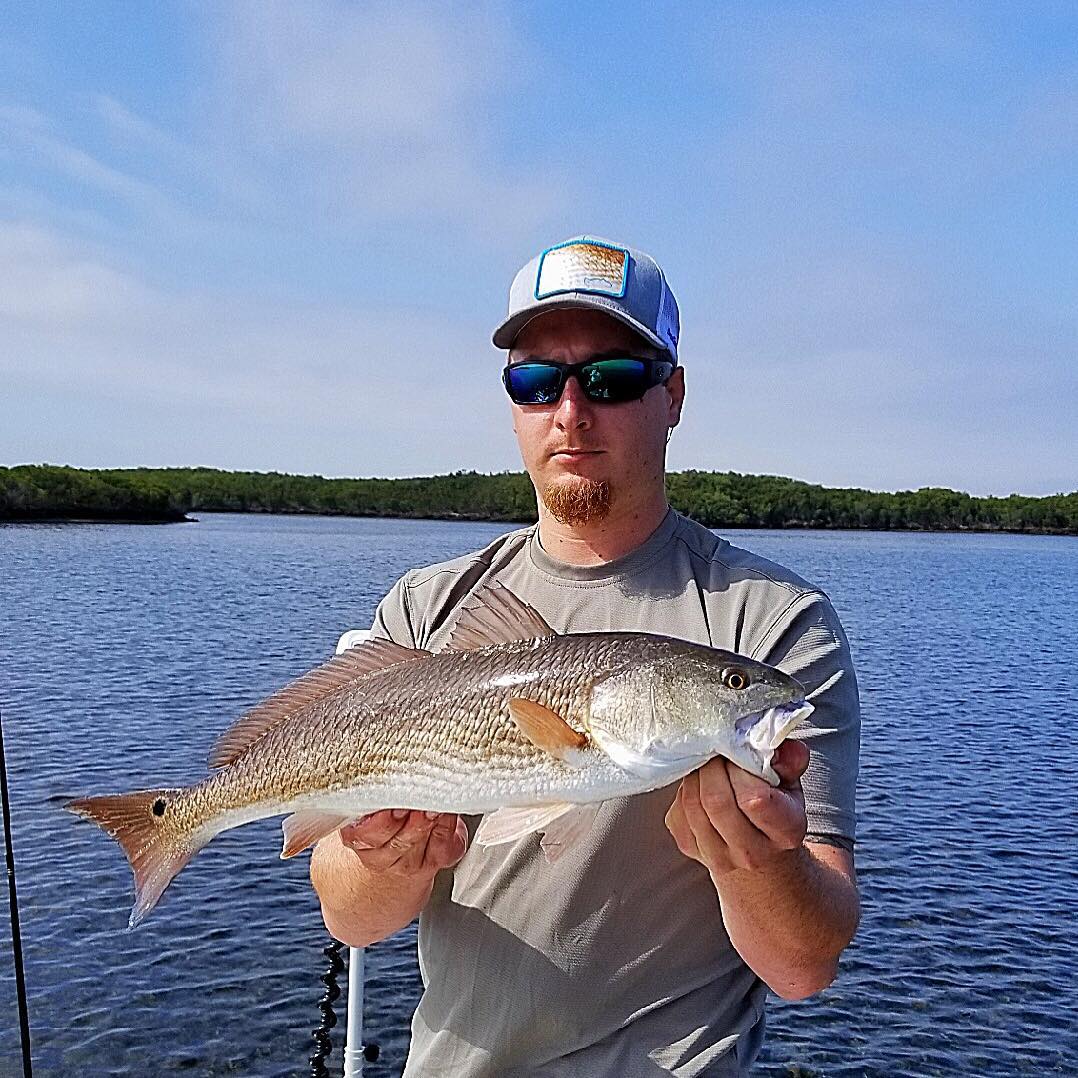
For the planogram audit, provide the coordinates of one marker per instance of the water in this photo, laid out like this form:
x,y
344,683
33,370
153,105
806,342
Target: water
x,y
123,650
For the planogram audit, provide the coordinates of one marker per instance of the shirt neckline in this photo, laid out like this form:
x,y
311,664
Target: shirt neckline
x,y
626,565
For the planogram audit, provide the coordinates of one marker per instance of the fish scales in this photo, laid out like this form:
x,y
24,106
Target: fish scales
x,y
452,711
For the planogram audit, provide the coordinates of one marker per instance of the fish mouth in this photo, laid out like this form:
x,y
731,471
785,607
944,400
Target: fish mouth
x,y
761,731
765,730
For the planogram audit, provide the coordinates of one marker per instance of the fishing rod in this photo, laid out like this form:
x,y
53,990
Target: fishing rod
x,y
13,905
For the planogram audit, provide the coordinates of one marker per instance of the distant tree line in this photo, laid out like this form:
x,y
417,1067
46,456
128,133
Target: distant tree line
x,y
48,492
716,499
728,499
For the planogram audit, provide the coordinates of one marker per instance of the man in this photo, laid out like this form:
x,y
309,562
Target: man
x,y
646,948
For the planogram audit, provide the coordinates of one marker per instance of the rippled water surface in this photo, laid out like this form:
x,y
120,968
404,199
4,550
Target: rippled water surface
x,y
123,650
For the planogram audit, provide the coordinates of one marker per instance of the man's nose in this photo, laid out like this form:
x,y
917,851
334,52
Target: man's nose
x,y
574,409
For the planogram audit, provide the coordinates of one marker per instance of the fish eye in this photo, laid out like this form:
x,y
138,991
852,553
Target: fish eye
x,y
735,679
159,807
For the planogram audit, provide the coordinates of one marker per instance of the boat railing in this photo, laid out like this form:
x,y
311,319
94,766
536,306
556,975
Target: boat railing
x,y
353,1037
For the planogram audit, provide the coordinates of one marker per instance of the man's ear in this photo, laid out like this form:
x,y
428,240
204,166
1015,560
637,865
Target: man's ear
x,y
675,386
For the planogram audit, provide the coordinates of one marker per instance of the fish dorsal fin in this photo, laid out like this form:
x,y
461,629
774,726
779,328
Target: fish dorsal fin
x,y
494,615
546,729
368,658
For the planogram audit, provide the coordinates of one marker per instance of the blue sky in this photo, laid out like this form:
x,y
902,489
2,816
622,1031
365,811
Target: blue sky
x,y
276,236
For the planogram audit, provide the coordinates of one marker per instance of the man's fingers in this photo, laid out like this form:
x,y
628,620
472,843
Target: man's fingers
x,y
447,843
679,828
712,845
411,847
404,850
726,836
414,832
374,830
777,812
719,801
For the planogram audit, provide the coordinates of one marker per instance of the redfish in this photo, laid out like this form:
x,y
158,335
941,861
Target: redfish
x,y
511,720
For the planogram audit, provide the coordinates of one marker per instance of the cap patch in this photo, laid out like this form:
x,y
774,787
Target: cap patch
x,y
582,266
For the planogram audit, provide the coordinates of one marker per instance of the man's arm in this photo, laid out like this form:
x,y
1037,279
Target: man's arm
x,y
789,907
374,876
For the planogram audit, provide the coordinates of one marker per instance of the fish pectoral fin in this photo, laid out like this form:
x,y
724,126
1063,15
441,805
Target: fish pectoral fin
x,y
303,829
546,729
564,832
509,824
494,615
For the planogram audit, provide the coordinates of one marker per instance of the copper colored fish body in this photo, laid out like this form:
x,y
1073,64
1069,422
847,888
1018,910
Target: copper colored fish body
x,y
510,720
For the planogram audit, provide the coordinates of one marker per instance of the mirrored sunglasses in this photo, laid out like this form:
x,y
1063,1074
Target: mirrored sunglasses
x,y
611,380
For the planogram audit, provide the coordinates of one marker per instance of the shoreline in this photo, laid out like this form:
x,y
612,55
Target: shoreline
x,y
46,493
466,518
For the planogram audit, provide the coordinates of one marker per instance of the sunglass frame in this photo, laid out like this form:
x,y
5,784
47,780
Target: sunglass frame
x,y
652,376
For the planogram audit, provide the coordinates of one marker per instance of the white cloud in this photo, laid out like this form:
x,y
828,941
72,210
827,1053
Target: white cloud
x,y
384,111
314,118
187,163
356,73
33,131
122,119
319,379
53,285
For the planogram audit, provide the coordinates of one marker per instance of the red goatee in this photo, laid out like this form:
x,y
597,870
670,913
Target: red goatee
x,y
577,500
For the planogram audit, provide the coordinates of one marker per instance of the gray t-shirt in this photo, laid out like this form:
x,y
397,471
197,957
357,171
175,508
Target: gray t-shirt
x,y
614,960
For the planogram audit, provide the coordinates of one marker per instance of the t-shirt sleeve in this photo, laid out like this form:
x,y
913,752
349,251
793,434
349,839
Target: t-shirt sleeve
x,y
393,618
807,642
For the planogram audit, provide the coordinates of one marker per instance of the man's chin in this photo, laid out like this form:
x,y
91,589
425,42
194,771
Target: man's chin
x,y
577,499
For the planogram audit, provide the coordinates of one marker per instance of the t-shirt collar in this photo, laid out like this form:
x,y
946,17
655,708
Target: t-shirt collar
x,y
627,564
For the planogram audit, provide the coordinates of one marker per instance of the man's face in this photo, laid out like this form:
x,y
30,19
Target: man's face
x,y
582,456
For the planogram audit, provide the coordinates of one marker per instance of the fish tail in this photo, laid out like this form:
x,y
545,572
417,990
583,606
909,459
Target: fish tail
x,y
156,843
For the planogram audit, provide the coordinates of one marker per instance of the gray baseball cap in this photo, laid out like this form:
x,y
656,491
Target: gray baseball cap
x,y
589,272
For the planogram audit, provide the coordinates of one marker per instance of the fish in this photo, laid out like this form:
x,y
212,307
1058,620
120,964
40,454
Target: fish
x,y
529,728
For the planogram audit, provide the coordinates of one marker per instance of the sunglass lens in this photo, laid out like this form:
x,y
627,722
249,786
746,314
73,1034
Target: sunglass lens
x,y
533,383
615,380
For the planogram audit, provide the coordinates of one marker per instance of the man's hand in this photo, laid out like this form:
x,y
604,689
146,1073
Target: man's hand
x,y
375,875
728,819
405,843
789,907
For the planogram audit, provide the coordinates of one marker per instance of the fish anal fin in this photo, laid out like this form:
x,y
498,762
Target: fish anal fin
x,y
494,615
509,824
546,729
154,846
567,830
368,658
303,829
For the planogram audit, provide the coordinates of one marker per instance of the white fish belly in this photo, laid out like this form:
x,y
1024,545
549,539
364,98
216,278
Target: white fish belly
x,y
479,787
